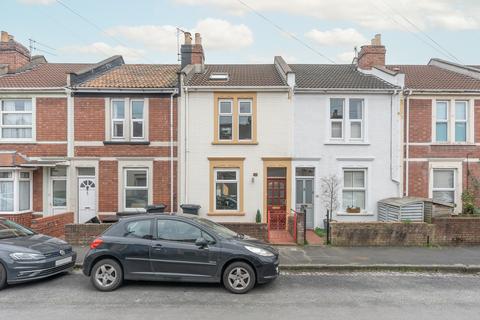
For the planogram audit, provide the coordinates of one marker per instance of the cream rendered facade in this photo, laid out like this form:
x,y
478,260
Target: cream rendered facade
x,y
201,153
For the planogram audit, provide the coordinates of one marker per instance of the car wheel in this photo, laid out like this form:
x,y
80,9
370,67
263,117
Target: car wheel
x,y
3,277
239,277
107,275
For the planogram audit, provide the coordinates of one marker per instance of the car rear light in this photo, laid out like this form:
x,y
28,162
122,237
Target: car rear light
x,y
96,243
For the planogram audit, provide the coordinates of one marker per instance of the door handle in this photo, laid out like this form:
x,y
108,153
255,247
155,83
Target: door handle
x,y
157,246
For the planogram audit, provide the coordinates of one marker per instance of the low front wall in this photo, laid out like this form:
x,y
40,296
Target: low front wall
x,y
457,230
255,230
380,234
53,225
25,219
84,234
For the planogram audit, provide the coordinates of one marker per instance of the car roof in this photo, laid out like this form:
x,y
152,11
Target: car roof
x,y
160,215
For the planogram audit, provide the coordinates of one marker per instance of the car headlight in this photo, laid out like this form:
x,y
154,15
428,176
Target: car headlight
x,y
259,251
26,256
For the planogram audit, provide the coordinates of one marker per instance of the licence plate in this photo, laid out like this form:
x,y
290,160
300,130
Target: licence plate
x,y
63,261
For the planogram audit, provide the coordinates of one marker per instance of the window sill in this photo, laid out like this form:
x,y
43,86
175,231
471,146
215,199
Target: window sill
x,y
223,143
18,142
347,143
361,214
225,214
142,143
449,144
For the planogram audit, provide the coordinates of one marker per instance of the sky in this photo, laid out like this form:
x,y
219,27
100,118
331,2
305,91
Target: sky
x,y
246,31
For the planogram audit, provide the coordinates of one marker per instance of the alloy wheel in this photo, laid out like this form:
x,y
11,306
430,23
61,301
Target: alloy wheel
x,y
239,278
106,275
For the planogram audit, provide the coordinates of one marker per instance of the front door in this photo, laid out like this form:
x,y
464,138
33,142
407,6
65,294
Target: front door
x,y
174,254
86,199
277,198
304,199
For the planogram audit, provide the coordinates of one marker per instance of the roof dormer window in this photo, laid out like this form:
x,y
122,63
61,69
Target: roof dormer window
x,y
222,76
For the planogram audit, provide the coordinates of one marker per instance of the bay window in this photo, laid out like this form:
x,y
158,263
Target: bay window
x,y
135,188
15,191
16,119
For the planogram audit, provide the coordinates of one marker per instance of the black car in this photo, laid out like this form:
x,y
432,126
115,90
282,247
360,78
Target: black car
x,y
26,255
178,248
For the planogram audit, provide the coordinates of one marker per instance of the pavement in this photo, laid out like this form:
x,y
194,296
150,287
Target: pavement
x,y
321,295
327,258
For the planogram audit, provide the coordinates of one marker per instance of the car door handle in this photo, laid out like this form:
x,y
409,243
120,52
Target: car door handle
x,y
157,246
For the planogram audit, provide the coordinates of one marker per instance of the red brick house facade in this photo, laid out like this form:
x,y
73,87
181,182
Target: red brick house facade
x,y
93,139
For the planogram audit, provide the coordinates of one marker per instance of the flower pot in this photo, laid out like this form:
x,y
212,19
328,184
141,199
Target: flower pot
x,y
353,210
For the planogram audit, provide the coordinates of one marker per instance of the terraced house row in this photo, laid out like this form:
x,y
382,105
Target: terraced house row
x,y
98,139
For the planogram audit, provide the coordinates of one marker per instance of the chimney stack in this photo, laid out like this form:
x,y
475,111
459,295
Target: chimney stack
x,y
193,53
13,55
373,54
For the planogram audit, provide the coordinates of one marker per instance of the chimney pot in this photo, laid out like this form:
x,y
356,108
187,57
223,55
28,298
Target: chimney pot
x,y
188,38
198,38
4,37
377,40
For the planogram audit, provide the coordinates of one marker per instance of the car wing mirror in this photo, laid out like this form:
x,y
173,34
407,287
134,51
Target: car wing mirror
x,y
201,242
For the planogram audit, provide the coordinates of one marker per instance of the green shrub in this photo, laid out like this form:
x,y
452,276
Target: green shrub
x,y
320,232
258,217
468,202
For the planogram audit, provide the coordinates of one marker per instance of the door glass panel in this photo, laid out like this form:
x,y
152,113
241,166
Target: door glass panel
x,y
308,191
177,231
299,191
277,172
58,172
59,193
305,172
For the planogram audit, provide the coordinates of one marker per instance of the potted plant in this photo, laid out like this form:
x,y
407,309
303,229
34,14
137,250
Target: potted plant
x,y
258,217
353,209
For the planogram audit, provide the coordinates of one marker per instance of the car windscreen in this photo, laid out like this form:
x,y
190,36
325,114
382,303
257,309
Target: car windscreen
x,y
217,228
9,229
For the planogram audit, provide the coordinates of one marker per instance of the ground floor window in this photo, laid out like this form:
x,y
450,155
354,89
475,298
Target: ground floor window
x,y
13,199
226,189
354,189
443,187
135,188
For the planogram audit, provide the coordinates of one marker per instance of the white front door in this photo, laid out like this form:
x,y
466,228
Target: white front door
x,y
87,208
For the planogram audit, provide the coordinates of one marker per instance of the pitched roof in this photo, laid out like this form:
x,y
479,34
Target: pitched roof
x,y
429,77
239,75
45,75
335,76
136,76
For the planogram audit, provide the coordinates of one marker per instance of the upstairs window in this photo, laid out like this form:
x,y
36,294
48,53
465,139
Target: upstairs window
x,y
347,119
235,118
16,119
452,121
128,119
225,120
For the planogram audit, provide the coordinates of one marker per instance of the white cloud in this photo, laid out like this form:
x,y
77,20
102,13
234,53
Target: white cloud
x,y
216,34
104,50
345,57
39,2
337,37
377,15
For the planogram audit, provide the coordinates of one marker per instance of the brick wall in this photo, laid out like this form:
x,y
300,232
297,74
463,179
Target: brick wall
x,y
37,190
418,179
420,124
84,234
53,225
25,219
124,150
255,230
51,119
89,119
457,230
161,184
108,186
380,234
159,119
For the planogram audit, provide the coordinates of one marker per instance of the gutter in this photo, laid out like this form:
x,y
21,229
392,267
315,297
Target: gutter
x,y
171,151
407,93
238,88
343,90
125,90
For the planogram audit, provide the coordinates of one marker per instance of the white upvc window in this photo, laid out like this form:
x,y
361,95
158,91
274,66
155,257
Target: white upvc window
x,y
227,189
225,120
16,119
137,118
452,121
347,119
15,191
118,119
128,119
443,186
354,192
245,119
135,189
